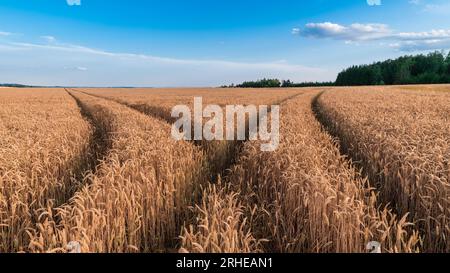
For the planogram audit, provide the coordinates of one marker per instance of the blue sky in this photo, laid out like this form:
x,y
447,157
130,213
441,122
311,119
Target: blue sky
x,y
208,43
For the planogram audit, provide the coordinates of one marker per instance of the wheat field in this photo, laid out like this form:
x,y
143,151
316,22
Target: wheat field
x,y
100,168
402,139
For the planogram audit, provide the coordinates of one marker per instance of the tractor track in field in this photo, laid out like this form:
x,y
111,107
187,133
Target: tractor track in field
x,y
345,149
327,124
149,110
89,159
227,158
221,164
233,152
376,181
98,146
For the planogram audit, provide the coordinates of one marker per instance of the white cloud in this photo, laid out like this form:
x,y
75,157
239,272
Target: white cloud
x,y
430,35
357,33
418,41
4,33
74,2
353,32
374,2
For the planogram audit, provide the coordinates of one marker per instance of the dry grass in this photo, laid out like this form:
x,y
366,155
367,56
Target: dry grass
x,y
403,141
42,147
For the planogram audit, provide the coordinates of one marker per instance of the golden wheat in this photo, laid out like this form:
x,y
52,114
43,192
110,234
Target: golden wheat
x,y
137,198
44,142
220,225
310,199
402,139
150,193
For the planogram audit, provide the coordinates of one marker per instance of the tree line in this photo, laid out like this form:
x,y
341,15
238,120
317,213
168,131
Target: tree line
x,y
288,83
420,69
431,68
276,83
14,85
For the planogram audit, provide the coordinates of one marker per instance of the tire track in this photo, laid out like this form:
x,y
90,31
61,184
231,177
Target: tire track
x,y
99,144
345,149
220,159
91,216
231,149
375,182
88,161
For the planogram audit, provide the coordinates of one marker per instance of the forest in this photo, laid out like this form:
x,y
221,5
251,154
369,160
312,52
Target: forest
x,y
432,68
419,69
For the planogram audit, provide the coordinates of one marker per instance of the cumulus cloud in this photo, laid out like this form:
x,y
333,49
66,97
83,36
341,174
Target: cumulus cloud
x,y
419,41
356,33
74,2
374,2
353,32
430,35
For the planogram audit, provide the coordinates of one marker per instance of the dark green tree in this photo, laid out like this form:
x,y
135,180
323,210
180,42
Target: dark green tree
x,y
426,69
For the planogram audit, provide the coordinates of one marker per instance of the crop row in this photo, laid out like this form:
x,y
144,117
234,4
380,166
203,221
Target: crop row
x,y
401,138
